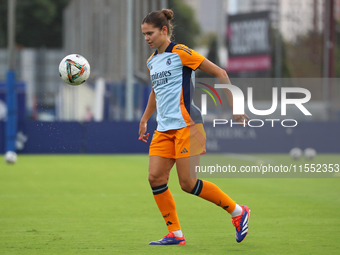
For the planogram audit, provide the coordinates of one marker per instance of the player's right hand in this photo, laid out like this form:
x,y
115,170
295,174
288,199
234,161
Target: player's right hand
x,y
142,129
241,119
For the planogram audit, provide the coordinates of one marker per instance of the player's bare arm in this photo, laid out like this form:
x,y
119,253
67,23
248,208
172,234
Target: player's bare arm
x,y
150,108
210,68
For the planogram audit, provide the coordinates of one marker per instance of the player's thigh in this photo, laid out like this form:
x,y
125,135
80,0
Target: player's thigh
x,y
163,144
159,170
190,141
186,170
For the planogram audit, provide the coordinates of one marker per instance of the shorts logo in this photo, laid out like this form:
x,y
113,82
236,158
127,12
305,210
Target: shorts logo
x,y
184,151
168,62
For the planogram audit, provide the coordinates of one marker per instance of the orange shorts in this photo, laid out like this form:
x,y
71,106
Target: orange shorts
x,y
179,143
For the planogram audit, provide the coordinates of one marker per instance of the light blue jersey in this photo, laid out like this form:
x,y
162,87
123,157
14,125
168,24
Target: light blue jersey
x,y
171,73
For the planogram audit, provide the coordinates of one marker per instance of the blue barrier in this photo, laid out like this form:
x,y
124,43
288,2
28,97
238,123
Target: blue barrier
x,y
52,137
21,98
11,103
324,137
122,137
16,113
87,137
115,137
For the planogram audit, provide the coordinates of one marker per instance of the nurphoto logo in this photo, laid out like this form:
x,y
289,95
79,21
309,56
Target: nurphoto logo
x,y
239,102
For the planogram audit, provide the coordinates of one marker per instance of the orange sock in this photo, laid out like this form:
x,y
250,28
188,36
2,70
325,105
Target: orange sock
x,y
213,193
167,206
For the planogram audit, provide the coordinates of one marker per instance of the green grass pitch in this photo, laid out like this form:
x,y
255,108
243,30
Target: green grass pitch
x,y
102,204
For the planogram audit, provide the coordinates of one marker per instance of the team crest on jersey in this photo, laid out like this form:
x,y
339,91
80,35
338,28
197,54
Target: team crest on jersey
x,y
150,68
168,62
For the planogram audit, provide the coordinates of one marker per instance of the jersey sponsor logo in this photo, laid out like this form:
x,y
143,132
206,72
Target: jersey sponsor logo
x,y
159,82
168,62
160,78
160,75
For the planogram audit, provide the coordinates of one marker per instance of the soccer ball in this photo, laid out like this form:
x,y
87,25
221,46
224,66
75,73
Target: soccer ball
x,y
11,157
295,153
310,153
74,69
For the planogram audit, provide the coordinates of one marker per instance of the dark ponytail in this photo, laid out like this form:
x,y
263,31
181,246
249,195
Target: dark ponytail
x,y
160,19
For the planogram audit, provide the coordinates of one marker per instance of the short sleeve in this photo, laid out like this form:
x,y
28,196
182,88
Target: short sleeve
x,y
189,57
148,61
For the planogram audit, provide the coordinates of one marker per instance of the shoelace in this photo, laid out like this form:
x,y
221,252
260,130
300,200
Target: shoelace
x,y
170,234
237,222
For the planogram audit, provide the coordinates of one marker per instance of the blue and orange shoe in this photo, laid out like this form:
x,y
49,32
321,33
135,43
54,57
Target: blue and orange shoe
x,y
170,239
241,223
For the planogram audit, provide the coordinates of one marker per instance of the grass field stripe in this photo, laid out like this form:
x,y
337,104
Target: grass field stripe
x,y
208,94
42,197
212,89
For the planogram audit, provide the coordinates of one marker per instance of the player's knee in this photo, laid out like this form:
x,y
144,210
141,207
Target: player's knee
x,y
152,179
155,180
186,186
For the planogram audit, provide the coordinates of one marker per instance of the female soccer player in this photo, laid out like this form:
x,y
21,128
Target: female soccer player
x,y
180,136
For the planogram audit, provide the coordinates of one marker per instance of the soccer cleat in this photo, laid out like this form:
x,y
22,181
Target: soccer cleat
x,y
241,223
170,239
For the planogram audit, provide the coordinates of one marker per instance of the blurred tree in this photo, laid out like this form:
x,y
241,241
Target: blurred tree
x,y
213,50
285,71
38,23
186,28
3,23
305,56
211,40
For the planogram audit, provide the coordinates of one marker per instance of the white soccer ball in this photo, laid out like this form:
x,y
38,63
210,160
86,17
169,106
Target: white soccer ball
x,y
11,157
295,153
309,153
74,69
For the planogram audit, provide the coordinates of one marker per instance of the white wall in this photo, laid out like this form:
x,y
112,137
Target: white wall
x,y
72,101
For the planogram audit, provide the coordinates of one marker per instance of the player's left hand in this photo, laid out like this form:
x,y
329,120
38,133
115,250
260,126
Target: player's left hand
x,y
242,119
142,129
144,138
